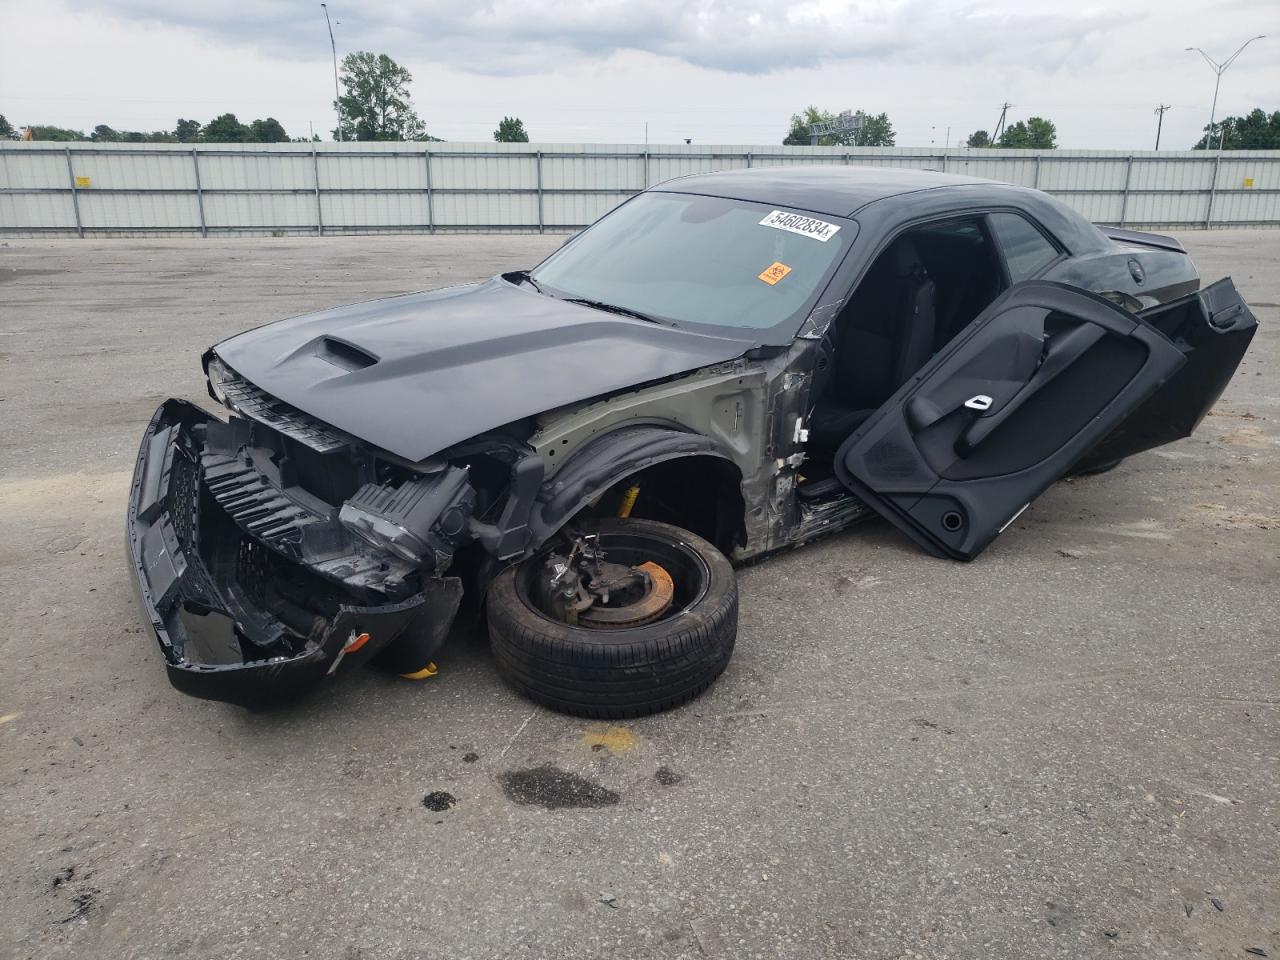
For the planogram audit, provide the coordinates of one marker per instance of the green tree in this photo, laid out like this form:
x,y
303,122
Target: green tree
x,y
979,138
45,132
226,129
375,104
1036,133
876,130
186,131
798,135
1254,131
511,130
6,129
105,134
267,131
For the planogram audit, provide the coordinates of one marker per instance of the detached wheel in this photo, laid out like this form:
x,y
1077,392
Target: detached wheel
x,y
630,619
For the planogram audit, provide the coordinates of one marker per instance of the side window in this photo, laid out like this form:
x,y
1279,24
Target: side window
x,y
1026,250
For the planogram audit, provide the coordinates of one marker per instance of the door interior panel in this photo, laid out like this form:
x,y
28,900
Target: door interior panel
x,y
1002,412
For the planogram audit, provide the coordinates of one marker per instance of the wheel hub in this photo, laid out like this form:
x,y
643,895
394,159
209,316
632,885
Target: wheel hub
x,y
585,589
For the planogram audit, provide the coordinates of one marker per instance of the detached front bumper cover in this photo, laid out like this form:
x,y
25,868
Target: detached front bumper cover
x,y
206,588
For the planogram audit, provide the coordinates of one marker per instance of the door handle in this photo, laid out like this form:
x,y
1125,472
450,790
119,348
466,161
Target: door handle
x,y
1064,350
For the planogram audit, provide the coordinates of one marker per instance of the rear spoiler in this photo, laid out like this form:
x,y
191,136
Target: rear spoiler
x,y
1146,239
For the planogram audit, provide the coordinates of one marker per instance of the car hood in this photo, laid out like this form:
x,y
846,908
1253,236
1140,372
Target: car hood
x,y
417,373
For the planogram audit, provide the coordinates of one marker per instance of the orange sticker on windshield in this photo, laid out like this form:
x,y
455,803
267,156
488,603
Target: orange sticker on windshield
x,y
774,272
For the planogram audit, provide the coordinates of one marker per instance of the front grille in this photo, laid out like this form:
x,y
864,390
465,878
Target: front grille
x,y
183,492
251,570
259,405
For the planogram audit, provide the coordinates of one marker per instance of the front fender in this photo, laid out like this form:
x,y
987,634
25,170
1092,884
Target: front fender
x,y
606,460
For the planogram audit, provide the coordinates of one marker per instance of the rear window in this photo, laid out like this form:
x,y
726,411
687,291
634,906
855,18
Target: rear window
x,y
1027,251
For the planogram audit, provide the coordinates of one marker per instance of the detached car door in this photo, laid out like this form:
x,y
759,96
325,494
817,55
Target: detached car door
x,y
1006,408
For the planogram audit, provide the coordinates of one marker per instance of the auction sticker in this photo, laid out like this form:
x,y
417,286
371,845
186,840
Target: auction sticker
x,y
798,223
774,272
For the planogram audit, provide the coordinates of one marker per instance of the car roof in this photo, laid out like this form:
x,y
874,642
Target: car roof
x,y
834,190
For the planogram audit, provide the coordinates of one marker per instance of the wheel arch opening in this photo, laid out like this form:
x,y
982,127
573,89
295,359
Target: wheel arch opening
x,y
701,493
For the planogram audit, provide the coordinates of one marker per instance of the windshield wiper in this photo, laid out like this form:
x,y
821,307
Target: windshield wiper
x,y
614,308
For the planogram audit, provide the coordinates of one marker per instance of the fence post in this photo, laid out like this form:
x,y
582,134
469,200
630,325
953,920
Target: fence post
x,y
1213,191
1035,182
75,194
431,210
315,166
646,169
541,226
1124,197
195,164
748,159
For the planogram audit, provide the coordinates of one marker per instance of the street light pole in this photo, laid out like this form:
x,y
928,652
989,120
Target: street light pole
x,y
1220,69
334,47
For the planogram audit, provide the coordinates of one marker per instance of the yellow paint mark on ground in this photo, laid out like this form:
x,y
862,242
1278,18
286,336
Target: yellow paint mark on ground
x,y
9,716
617,740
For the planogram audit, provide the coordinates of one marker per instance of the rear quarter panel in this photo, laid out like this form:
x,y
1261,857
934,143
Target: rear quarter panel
x,y
1166,274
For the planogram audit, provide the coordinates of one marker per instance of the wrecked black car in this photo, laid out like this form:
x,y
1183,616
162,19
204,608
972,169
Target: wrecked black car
x,y
723,366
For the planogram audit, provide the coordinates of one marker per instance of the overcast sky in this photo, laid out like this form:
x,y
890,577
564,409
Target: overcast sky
x,y
718,71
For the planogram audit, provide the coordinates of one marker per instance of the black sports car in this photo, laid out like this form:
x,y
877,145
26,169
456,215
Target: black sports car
x,y
723,366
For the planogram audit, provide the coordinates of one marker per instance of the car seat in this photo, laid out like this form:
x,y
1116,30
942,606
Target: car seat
x,y
884,335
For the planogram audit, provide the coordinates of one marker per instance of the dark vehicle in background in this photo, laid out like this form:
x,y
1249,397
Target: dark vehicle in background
x,y
724,366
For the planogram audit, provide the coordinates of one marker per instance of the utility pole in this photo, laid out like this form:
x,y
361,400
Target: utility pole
x,y
1220,69
1160,121
334,48
1004,110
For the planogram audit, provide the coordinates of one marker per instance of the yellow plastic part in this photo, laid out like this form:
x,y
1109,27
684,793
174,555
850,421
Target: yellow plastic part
x,y
628,501
428,671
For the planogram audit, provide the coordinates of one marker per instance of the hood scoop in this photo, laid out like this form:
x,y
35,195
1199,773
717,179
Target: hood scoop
x,y
343,354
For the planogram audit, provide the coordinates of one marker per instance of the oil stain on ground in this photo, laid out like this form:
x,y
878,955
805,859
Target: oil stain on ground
x,y
667,777
555,789
438,801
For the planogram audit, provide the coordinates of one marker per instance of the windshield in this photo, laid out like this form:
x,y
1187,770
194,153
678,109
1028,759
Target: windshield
x,y
700,260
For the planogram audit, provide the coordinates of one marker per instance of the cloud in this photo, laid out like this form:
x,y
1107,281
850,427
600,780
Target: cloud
x,y
754,37
723,73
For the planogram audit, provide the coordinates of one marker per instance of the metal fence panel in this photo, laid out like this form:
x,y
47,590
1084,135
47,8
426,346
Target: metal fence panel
x,y
229,189
133,211
33,215
46,170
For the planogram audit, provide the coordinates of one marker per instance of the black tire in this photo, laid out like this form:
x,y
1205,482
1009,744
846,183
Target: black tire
x,y
1093,471
617,673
